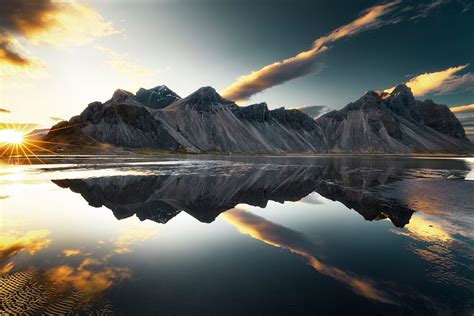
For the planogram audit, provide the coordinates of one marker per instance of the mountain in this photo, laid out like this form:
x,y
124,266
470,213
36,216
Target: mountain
x,y
206,122
393,122
156,98
313,111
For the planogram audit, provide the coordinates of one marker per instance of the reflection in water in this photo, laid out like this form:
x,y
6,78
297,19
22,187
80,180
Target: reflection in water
x,y
279,236
425,229
434,240
12,242
124,242
205,196
71,252
86,265
92,277
64,289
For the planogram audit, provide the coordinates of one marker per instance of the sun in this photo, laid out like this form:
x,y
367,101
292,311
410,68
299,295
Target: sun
x,y
11,136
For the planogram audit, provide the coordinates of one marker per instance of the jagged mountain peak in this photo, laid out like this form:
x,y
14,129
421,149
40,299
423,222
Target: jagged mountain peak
x,y
206,95
205,99
403,90
121,95
156,98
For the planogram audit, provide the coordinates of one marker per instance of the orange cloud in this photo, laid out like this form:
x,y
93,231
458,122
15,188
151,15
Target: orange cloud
x,y
59,23
304,62
13,242
90,277
441,81
71,252
295,242
7,267
462,108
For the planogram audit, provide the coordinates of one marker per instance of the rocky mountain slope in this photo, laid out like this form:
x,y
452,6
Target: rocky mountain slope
x,y
205,122
393,122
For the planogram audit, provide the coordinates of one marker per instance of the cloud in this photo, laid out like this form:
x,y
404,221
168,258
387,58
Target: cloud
x,y
129,238
13,242
58,23
425,9
279,236
4,111
57,119
71,252
462,108
304,62
443,81
119,63
92,277
457,83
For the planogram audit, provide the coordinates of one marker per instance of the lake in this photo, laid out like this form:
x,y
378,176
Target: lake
x,y
228,235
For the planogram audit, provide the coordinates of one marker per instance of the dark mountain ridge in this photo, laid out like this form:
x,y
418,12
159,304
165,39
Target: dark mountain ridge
x,y
206,122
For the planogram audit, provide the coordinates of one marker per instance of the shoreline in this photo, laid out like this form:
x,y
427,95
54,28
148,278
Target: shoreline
x,y
130,155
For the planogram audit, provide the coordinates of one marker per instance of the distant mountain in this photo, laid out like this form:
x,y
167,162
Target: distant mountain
x,y
393,122
313,111
205,122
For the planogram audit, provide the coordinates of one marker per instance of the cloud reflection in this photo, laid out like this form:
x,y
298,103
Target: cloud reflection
x,y
279,236
92,277
13,242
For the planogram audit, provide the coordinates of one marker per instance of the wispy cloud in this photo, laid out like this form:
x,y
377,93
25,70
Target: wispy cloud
x,y
443,81
119,62
58,23
56,118
4,111
304,62
462,108
424,9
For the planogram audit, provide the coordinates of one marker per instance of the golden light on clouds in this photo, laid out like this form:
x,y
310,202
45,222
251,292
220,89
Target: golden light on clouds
x,y
13,242
462,108
440,81
71,252
92,277
59,23
304,62
295,242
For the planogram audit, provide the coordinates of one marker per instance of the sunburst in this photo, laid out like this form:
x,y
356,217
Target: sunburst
x,y
16,143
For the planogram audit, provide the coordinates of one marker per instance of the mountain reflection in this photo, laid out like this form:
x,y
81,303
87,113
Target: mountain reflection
x,y
205,195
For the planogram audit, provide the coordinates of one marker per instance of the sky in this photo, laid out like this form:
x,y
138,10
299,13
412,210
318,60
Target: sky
x,y
58,56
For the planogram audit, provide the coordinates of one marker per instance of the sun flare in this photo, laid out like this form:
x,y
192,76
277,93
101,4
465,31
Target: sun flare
x,y
11,136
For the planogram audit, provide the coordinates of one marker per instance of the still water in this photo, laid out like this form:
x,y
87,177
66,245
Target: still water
x,y
241,236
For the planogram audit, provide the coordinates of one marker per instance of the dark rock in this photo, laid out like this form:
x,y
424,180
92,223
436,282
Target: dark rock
x,y
156,98
440,118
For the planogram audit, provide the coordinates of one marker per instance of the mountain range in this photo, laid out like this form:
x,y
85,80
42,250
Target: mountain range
x,y
159,119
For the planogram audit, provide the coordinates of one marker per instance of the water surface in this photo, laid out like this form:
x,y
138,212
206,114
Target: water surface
x,y
223,235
